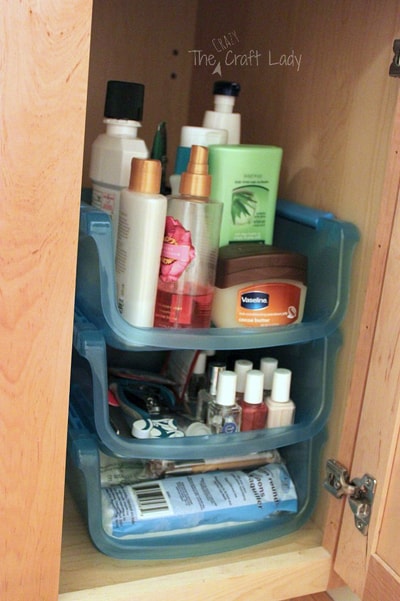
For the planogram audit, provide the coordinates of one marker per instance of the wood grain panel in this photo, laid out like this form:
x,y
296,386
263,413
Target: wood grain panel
x,y
316,597
147,42
388,544
378,586
379,424
44,62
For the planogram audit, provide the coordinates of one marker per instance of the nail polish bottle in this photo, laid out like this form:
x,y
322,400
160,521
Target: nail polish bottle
x,y
268,366
254,410
206,395
241,367
224,414
281,408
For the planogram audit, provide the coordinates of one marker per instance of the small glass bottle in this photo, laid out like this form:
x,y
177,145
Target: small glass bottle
x,y
197,381
206,395
268,366
224,414
241,367
281,408
254,410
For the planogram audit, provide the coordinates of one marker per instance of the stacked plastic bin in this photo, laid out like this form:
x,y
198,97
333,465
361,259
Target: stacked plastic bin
x,y
308,349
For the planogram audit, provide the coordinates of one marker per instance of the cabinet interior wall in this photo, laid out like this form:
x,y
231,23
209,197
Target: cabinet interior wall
x,y
319,89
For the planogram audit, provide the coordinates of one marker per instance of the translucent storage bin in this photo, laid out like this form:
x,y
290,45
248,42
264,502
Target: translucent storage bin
x,y
83,479
312,364
327,242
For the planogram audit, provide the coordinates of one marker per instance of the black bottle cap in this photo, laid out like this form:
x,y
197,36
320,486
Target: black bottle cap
x,y
226,88
124,100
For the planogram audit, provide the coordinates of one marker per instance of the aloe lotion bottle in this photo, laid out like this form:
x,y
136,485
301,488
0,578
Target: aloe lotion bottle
x,y
245,179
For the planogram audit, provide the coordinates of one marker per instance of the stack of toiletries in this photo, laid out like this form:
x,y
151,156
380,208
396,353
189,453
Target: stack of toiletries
x,y
203,255
183,436
196,397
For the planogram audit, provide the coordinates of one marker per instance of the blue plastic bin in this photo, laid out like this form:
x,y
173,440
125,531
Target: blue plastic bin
x,y
83,479
327,242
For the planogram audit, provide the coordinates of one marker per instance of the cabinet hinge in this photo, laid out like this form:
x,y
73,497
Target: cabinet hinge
x,y
359,491
394,69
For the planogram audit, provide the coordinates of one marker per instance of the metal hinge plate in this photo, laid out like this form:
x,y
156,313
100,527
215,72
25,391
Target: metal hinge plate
x,y
359,491
394,69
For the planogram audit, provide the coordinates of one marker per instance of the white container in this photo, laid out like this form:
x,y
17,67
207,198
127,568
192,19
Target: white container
x,y
112,151
223,117
140,238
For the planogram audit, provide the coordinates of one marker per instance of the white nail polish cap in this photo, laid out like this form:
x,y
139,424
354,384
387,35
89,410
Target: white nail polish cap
x,y
281,381
200,363
254,390
242,366
268,365
226,388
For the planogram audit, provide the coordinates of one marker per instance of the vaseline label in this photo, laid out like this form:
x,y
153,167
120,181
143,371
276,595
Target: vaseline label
x,y
268,304
254,300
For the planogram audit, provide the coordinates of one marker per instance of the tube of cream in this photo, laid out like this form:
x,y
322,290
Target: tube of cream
x,y
202,499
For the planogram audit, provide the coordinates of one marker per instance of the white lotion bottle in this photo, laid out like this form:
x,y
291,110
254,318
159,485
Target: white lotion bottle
x,y
112,151
281,408
140,237
223,117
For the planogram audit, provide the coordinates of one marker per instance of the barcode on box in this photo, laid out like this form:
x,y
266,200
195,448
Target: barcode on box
x,y
150,499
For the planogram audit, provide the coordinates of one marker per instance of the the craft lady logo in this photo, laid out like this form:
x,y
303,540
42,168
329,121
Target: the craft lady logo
x,y
225,52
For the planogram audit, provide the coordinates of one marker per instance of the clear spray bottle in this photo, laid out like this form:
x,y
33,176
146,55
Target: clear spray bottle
x,y
190,250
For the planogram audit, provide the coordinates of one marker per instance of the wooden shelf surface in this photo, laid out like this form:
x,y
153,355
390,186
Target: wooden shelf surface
x,y
281,569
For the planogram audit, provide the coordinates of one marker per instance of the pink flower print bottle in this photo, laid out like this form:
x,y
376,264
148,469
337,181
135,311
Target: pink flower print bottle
x,y
190,250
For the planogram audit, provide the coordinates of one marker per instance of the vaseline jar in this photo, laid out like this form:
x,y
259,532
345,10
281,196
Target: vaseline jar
x,y
258,285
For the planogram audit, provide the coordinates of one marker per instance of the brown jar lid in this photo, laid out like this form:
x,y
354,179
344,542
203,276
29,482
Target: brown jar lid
x,y
242,262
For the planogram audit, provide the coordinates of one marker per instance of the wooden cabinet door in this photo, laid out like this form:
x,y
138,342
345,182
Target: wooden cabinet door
x,y
371,564
383,575
43,79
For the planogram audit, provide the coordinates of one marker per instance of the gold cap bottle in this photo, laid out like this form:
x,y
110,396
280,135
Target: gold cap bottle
x,y
145,176
196,181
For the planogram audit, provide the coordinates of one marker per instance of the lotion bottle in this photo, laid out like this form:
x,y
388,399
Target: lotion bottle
x,y
223,117
112,151
254,410
190,250
140,237
281,408
224,414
